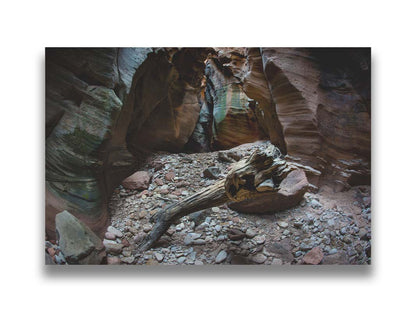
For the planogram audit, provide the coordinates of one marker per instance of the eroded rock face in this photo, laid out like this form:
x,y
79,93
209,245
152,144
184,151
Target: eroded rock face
x,y
323,102
102,107
314,104
86,121
167,102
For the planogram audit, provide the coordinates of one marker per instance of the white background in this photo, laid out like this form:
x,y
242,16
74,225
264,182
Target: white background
x,y
28,26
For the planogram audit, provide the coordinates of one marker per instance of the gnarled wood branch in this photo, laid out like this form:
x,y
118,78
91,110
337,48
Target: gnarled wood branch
x,y
257,175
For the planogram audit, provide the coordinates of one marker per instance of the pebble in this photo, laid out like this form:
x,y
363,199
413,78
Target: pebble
x,y
276,261
315,204
298,253
250,233
112,247
114,231
159,257
110,236
190,238
128,260
282,224
147,228
180,227
181,260
305,246
222,255
259,239
259,258
113,260
159,181
170,175
215,209
332,251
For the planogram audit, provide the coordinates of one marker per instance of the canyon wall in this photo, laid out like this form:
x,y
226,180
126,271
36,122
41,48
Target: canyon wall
x,y
106,108
314,104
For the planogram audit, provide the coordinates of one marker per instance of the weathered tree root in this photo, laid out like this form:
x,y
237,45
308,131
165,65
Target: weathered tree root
x,y
257,175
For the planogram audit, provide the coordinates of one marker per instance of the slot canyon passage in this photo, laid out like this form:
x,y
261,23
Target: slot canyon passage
x,y
160,156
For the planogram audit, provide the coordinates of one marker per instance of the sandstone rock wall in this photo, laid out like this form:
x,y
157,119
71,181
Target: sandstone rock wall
x,y
167,104
323,101
314,104
104,108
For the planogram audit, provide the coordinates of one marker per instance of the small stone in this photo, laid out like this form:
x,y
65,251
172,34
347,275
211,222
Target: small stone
x,y
314,256
181,260
51,251
158,181
159,257
198,262
251,233
211,173
137,181
147,228
126,253
110,236
170,175
282,224
297,224
202,226
128,260
315,204
259,258
170,231
180,227
277,262
190,237
215,209
222,255
235,234
114,231
259,239
347,239
332,251
113,260
286,232
217,228
298,253
142,213
305,246
112,247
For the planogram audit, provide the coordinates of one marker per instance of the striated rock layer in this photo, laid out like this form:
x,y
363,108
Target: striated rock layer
x,y
86,121
104,109
314,104
323,102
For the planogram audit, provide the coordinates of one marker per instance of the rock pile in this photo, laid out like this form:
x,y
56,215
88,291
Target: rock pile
x,y
325,228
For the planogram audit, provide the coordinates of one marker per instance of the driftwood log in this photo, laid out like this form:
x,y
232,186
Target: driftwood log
x,y
257,175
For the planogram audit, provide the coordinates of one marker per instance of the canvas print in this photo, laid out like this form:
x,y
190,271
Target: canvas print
x,y
208,156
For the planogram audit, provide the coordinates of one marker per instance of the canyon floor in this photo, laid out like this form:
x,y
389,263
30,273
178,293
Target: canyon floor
x,y
326,227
